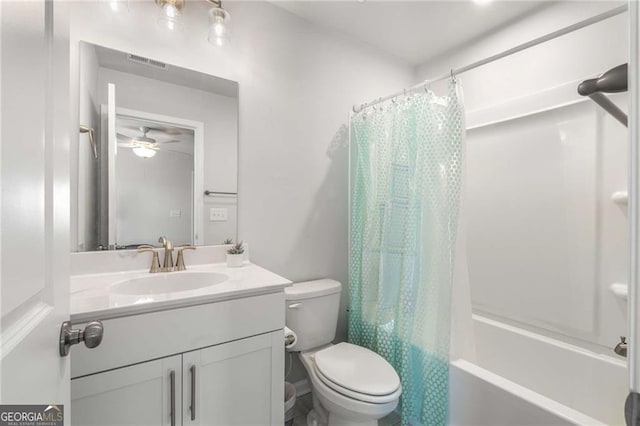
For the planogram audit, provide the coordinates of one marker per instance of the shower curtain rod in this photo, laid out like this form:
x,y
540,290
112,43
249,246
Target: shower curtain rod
x,y
455,71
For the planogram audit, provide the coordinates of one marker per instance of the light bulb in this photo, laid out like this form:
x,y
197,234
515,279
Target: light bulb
x,y
171,11
218,27
170,15
117,5
144,151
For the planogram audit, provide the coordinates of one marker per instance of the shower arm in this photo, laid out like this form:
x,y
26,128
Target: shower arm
x,y
612,81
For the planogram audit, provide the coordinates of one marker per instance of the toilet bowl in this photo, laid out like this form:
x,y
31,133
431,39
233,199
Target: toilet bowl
x,y
351,385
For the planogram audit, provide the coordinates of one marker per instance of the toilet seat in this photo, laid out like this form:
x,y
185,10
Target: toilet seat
x,y
357,373
338,404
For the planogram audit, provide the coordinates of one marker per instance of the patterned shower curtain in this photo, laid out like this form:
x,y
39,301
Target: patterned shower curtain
x,y
406,176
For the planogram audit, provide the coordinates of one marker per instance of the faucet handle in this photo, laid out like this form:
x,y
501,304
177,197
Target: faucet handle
x,y
180,266
155,260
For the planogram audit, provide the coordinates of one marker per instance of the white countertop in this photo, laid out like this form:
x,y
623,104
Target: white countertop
x,y
91,298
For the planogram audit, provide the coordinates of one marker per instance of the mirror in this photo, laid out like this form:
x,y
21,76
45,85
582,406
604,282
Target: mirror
x,y
157,153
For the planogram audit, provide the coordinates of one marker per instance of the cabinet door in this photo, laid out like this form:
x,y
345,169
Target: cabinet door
x,y
236,383
142,394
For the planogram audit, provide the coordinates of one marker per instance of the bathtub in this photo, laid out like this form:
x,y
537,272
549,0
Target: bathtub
x,y
523,378
480,397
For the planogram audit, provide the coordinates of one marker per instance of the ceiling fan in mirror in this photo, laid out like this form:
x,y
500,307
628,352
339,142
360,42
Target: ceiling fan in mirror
x,y
142,145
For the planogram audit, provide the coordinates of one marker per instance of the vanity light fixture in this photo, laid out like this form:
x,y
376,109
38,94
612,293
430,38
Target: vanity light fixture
x,y
218,24
170,14
144,151
118,5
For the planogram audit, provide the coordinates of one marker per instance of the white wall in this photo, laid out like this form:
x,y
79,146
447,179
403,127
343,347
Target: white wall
x,y
297,83
544,240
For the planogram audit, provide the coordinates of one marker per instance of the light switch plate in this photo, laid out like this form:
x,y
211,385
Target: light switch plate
x,y
218,214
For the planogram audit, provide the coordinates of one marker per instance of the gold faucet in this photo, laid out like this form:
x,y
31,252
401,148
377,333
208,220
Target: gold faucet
x,y
155,261
167,265
180,266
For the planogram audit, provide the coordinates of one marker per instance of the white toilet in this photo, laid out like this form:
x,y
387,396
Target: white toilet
x,y
351,385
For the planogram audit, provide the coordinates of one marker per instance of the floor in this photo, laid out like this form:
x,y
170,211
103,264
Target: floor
x,y
304,404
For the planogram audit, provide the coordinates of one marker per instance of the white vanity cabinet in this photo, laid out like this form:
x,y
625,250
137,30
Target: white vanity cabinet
x,y
232,384
137,395
227,359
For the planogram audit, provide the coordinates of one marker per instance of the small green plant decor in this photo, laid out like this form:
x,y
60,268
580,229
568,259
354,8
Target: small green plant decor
x,y
236,249
235,254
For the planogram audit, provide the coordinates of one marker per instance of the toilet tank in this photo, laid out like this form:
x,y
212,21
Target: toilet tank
x,y
312,312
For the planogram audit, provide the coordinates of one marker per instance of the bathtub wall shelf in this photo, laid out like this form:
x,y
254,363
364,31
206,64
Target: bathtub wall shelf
x,y
620,197
620,290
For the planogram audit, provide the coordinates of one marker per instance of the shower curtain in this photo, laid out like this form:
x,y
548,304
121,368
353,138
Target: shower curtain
x,y
406,175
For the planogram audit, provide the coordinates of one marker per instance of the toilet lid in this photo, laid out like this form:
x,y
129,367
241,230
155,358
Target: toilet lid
x,y
357,369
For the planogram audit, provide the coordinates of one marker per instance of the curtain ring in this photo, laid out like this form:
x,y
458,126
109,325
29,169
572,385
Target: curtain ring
x,y
453,76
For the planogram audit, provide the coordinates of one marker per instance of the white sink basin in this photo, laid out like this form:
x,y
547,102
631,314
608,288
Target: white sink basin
x,y
169,282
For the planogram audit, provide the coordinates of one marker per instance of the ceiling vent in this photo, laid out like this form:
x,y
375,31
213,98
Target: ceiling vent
x,y
146,61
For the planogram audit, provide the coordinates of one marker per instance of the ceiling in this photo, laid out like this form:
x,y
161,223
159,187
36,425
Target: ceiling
x,y
414,31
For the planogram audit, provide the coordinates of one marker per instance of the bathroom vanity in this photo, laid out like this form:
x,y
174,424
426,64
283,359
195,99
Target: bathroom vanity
x,y
196,355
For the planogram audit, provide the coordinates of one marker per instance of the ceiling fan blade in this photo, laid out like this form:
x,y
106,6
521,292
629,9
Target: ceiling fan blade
x,y
173,151
126,144
122,136
166,130
171,141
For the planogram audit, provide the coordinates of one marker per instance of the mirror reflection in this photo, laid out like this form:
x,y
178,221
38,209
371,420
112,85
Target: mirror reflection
x,y
157,153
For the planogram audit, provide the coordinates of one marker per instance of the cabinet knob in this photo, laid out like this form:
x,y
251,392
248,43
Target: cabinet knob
x,y
91,336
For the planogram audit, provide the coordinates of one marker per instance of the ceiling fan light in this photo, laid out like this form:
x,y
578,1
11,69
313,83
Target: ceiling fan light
x,y
144,152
